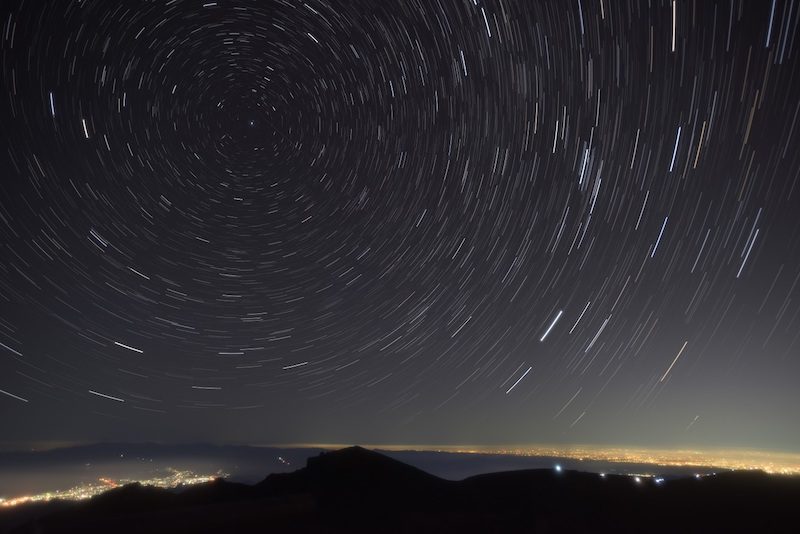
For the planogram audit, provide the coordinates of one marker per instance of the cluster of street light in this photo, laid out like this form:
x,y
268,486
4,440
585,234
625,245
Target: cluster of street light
x,y
175,478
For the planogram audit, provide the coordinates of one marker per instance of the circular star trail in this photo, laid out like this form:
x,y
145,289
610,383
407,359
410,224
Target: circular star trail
x,y
447,221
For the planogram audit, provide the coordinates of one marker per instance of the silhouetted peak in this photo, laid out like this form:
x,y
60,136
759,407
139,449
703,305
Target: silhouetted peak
x,y
352,469
364,471
353,461
354,454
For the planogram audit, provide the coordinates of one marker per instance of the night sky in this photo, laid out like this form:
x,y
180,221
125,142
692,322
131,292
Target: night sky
x,y
416,221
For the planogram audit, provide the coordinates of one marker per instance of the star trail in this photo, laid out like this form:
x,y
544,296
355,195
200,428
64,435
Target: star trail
x,y
445,221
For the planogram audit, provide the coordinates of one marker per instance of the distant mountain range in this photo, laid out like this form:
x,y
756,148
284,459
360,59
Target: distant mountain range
x,y
359,490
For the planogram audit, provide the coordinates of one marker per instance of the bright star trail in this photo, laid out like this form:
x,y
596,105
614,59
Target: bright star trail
x,y
312,221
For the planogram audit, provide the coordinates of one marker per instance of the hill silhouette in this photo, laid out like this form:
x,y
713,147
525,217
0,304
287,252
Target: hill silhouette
x,y
358,490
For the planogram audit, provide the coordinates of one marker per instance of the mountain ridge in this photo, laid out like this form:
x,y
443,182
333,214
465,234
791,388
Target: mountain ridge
x,y
360,490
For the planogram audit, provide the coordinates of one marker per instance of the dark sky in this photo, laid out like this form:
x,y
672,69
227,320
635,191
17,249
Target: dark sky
x,y
427,221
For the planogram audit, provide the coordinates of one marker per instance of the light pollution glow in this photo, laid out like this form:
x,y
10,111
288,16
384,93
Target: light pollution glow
x,y
778,463
782,463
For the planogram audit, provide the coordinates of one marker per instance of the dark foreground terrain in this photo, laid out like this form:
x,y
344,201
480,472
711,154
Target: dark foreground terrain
x,y
357,490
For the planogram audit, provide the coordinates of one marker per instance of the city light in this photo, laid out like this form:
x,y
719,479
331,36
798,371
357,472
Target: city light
x,y
174,479
776,463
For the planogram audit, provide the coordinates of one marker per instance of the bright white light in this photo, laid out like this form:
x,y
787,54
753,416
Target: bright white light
x,y
638,480
558,468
